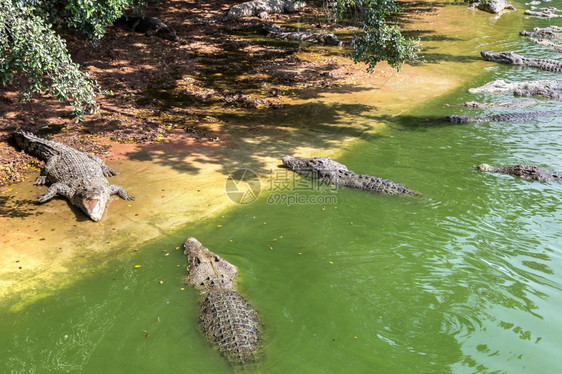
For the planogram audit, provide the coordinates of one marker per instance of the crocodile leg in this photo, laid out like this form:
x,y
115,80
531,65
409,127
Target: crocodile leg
x,y
107,171
42,178
57,188
116,189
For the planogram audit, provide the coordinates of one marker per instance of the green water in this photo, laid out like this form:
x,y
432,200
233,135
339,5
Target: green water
x,y
466,279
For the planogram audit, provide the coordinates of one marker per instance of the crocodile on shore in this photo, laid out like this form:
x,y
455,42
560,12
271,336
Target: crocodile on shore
x,y
275,31
150,26
551,89
506,117
492,6
258,8
78,176
328,171
262,8
509,57
524,171
551,32
226,318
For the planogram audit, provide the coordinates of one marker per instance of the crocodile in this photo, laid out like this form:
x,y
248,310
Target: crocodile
x,y
226,318
509,104
505,117
328,171
275,31
150,26
492,6
546,13
551,89
547,43
551,32
258,8
509,57
524,171
262,8
549,9
78,176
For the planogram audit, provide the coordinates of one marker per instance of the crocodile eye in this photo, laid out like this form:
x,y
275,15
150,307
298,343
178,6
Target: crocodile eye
x,y
217,259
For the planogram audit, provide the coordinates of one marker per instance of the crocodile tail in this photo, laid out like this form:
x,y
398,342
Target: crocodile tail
x,y
24,139
35,145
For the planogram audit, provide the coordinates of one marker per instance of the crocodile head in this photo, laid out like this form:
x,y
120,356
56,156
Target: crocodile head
x,y
92,201
485,167
316,163
207,271
294,162
455,118
501,57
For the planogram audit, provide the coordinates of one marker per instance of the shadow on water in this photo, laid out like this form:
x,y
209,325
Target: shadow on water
x,y
429,36
413,122
433,58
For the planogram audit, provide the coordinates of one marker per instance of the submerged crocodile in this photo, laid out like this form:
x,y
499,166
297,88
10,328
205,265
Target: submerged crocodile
x,y
227,319
513,58
492,6
275,31
547,43
524,171
551,89
509,104
328,171
505,117
548,8
545,13
78,176
150,26
551,32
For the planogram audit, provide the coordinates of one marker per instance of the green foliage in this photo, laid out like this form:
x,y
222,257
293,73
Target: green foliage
x,y
29,45
377,40
90,17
